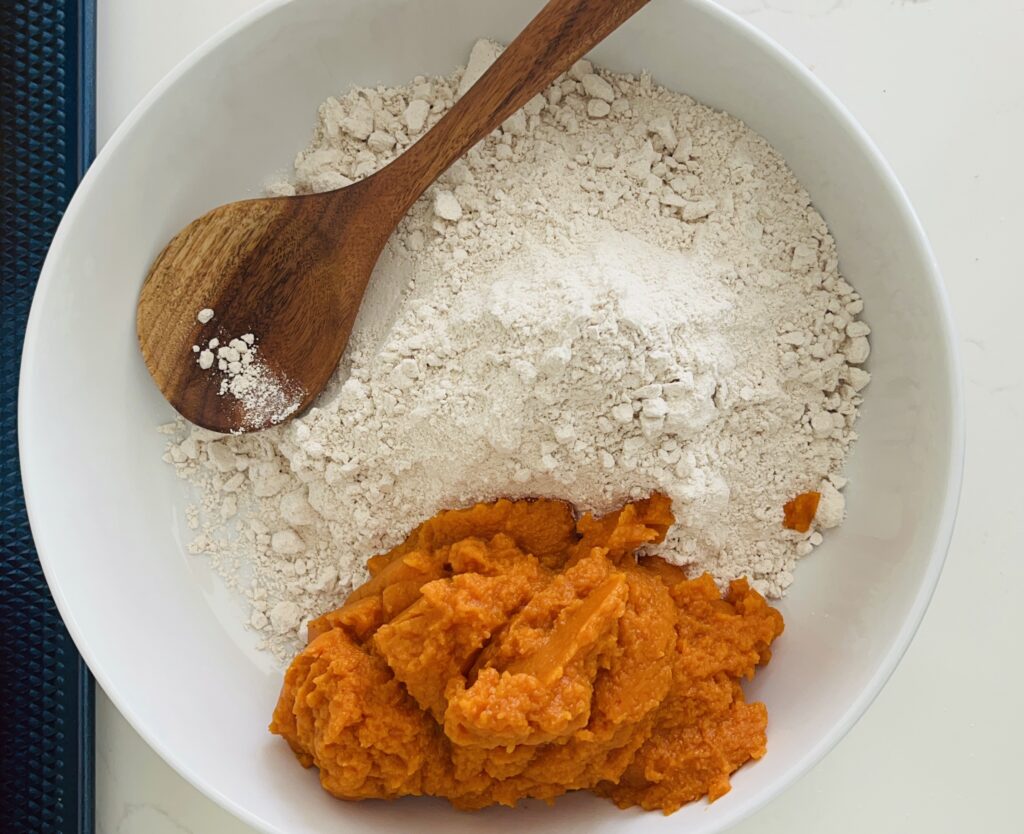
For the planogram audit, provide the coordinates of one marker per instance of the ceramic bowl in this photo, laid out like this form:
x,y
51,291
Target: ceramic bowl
x,y
161,634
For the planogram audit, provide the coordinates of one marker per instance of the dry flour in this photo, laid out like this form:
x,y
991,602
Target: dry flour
x,y
265,397
617,292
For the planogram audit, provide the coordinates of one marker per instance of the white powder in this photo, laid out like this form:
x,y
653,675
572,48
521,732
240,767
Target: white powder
x,y
598,302
265,397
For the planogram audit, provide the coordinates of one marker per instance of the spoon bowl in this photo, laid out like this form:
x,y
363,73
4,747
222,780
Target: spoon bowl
x,y
287,271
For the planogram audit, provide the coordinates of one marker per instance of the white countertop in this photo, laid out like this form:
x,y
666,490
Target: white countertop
x,y
939,84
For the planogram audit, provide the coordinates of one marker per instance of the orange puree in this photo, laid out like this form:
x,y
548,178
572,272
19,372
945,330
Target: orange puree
x,y
508,651
798,513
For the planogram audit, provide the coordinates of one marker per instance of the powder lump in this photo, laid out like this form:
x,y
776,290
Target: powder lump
x,y
265,398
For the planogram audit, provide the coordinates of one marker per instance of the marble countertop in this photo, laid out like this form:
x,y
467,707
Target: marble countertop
x,y
938,84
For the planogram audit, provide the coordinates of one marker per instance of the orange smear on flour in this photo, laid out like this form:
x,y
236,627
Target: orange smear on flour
x,y
799,513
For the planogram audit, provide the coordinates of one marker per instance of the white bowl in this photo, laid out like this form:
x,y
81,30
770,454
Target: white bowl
x,y
158,631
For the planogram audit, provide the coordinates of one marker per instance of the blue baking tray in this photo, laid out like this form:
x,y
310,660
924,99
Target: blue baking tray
x,y
47,139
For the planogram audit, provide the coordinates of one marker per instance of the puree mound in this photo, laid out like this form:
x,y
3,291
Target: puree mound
x,y
509,651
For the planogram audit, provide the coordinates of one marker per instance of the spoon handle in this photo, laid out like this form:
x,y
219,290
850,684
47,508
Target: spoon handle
x,y
553,41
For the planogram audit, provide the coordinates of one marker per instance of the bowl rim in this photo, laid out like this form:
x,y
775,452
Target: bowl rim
x,y
35,331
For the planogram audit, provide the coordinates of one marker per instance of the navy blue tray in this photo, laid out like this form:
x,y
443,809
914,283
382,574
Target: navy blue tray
x,y
47,139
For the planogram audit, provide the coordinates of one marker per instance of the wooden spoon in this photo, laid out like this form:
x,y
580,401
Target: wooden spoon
x,y
293,270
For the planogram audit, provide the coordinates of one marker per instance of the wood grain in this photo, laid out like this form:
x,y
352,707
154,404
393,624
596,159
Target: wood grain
x,y
293,270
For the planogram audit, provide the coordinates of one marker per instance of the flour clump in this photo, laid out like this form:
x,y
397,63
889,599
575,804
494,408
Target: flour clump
x,y
263,396
598,302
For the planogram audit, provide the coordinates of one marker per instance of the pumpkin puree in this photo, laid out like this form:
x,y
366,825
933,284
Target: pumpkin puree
x,y
508,651
798,513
